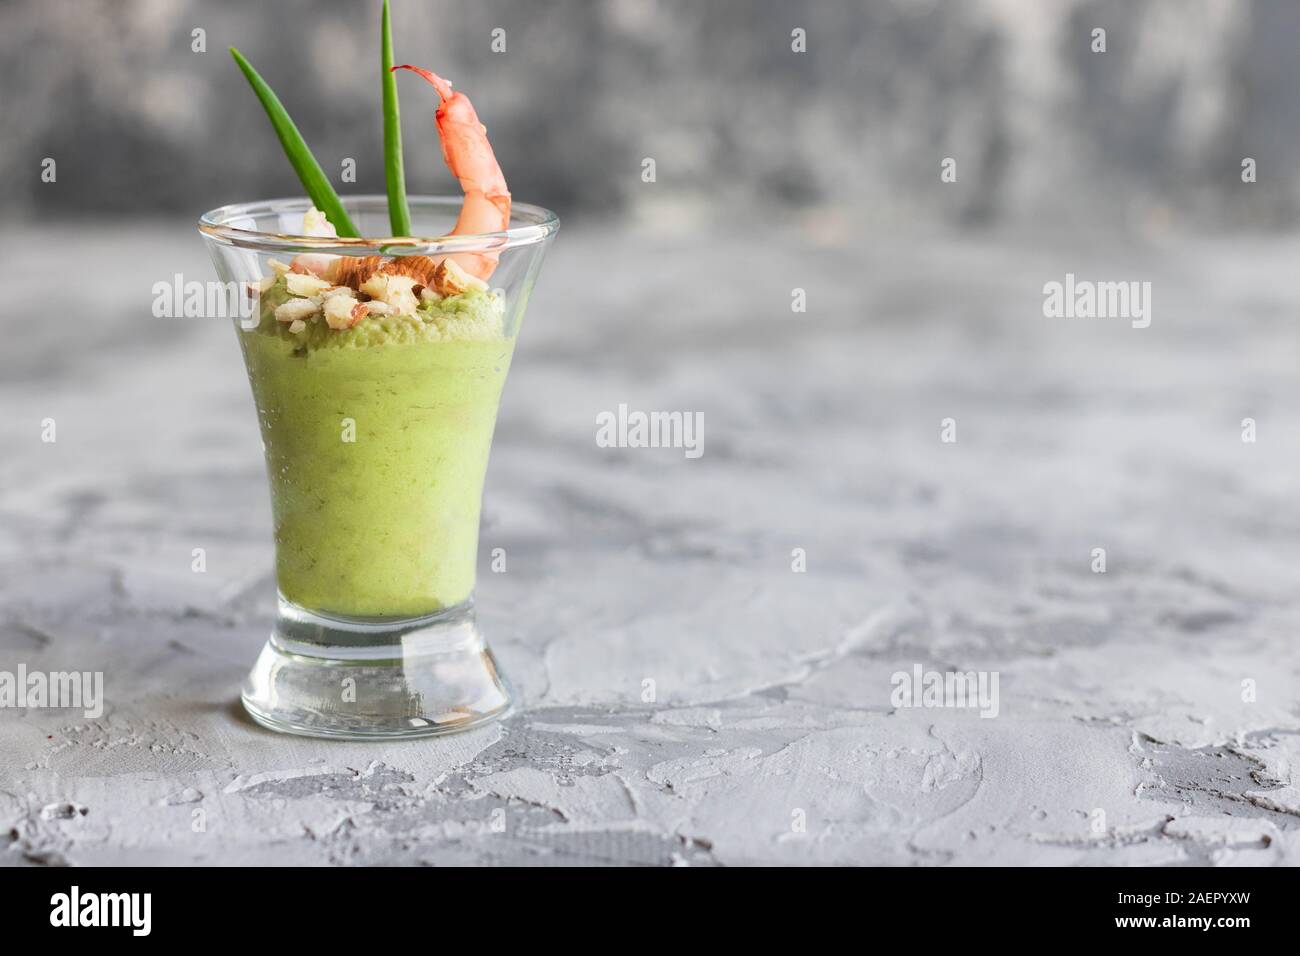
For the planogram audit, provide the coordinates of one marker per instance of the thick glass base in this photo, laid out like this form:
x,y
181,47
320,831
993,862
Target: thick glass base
x,y
375,678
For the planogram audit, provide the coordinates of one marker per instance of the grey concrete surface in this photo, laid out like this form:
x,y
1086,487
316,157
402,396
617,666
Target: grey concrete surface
x,y
1147,715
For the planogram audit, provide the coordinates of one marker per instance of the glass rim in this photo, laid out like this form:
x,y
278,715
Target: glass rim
x,y
538,225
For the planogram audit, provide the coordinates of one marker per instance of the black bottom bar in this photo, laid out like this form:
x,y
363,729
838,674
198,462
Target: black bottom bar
x,y
335,906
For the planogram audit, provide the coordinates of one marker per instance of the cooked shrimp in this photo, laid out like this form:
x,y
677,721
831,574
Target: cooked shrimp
x,y
469,156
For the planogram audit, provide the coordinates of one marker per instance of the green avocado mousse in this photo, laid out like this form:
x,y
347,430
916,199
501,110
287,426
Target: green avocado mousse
x,y
377,438
377,332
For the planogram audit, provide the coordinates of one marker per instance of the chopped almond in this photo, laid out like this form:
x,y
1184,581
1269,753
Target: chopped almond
x,y
341,311
400,296
393,290
376,286
305,285
296,310
314,223
278,267
297,325
451,279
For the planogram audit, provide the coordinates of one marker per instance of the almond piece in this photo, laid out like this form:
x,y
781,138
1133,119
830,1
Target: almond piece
x,y
314,223
296,310
341,311
297,325
376,286
305,285
451,279
400,297
278,267
393,290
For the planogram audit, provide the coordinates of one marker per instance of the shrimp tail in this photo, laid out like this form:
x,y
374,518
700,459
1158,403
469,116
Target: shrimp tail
x,y
469,156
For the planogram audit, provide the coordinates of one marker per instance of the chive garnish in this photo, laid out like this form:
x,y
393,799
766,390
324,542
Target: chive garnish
x,y
399,214
295,148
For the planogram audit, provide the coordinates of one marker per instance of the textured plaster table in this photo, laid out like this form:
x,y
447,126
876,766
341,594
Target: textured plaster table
x,y
1147,714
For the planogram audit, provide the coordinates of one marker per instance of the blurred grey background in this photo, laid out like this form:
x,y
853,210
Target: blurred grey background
x,y
1150,133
